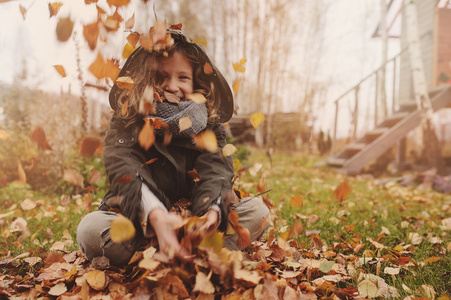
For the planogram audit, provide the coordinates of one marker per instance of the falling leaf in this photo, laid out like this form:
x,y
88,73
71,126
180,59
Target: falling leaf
x,y
149,264
64,29
91,34
130,22
203,284
38,137
150,161
171,97
208,69
23,11
158,124
185,123
60,70
89,146
54,8
146,105
206,140
58,289
146,137
94,176
124,179
228,150
197,98
194,175
28,204
256,119
122,229
118,3
98,67
342,191
96,279
296,201
125,83
236,86
176,26
239,66
128,50
73,177
133,39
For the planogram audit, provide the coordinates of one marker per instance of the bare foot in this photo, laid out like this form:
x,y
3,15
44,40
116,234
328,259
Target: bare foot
x,y
164,225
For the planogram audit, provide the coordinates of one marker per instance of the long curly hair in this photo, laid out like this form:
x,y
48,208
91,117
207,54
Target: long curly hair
x,y
143,70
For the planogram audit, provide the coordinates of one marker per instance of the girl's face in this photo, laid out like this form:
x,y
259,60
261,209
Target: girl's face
x,y
177,75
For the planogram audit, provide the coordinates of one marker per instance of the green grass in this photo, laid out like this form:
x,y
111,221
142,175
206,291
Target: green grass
x,y
361,215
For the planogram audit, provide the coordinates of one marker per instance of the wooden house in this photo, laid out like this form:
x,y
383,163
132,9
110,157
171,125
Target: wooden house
x,y
391,127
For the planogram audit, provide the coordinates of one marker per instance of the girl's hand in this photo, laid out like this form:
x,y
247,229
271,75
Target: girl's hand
x,y
211,223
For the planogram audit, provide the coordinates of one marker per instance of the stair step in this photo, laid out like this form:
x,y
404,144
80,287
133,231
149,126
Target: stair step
x,y
355,146
335,162
395,118
408,106
377,131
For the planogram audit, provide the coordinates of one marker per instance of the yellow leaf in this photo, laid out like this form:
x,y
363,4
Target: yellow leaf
x,y
296,201
96,279
214,241
54,8
206,140
239,66
200,41
257,118
125,83
185,123
60,70
122,229
237,165
133,38
228,150
236,86
196,98
146,137
128,49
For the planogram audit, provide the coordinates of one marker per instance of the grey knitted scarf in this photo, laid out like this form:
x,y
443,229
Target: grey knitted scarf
x,y
171,113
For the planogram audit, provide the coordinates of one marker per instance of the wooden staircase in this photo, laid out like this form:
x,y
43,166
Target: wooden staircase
x,y
355,156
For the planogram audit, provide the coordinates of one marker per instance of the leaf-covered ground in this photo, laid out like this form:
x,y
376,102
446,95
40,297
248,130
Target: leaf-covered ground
x,y
331,237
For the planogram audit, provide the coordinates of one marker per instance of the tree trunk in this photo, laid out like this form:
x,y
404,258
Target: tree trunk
x,y
431,147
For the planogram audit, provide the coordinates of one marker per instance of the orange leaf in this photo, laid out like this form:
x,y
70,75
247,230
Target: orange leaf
x,y
98,67
38,137
236,86
244,239
233,218
296,201
257,118
208,69
124,179
60,70
124,108
54,8
133,38
176,26
91,33
158,124
112,69
118,2
206,140
146,137
23,11
150,161
64,29
89,145
342,191
194,175
125,83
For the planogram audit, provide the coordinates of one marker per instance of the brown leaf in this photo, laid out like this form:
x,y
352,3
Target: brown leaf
x,y
342,191
94,176
118,3
91,34
23,11
194,175
146,137
64,29
296,229
176,26
89,146
171,97
54,8
58,289
124,179
73,177
203,283
60,70
38,137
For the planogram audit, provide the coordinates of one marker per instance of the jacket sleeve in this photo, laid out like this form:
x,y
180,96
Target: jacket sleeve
x,y
216,174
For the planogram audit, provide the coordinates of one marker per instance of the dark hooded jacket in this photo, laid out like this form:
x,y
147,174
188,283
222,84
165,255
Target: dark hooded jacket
x,y
167,176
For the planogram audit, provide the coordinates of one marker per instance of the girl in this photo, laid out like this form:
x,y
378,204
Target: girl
x,y
146,182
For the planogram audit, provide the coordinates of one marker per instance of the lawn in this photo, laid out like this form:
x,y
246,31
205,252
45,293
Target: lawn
x,y
331,237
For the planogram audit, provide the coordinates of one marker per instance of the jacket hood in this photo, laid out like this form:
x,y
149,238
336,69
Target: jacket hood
x,y
222,93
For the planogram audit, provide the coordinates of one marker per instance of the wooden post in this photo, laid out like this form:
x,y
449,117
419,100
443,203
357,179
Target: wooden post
x,y
376,115
356,112
394,86
334,142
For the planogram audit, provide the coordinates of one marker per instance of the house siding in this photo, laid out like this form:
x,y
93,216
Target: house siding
x,y
425,13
